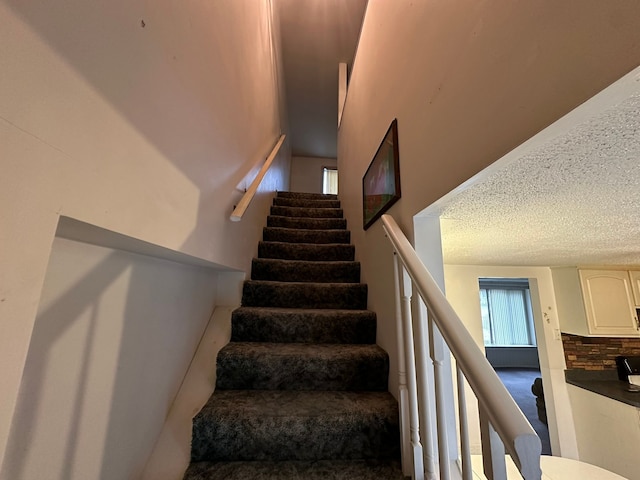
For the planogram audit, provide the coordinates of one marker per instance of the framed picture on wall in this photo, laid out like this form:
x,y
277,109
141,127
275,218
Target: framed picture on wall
x,y
381,181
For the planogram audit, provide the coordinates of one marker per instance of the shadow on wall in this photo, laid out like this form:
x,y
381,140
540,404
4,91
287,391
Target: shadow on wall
x,y
146,61
114,336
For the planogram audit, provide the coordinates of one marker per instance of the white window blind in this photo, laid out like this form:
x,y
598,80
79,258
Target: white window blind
x,y
507,318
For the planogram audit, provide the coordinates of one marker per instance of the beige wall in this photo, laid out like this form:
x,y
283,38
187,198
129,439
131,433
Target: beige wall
x,y
151,131
468,81
306,173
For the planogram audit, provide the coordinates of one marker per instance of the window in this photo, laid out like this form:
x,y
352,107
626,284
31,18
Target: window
x,y
330,180
507,318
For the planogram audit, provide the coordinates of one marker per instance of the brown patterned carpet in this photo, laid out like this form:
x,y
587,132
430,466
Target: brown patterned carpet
x,y
301,390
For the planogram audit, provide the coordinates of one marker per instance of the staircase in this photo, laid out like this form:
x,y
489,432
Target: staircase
x,y
301,388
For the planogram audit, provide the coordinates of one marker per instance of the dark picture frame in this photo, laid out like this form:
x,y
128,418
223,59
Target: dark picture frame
x,y
381,181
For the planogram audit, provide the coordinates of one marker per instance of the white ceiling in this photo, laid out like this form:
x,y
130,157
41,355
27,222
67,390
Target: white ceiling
x,y
572,199
316,36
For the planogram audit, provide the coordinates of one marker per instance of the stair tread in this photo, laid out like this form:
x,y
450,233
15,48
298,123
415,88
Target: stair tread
x,y
296,425
323,285
298,263
304,311
306,212
306,235
306,202
297,470
265,293
267,404
320,196
306,251
297,325
308,223
339,351
302,366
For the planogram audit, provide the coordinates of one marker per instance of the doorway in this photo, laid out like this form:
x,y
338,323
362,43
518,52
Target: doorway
x,y
330,180
511,346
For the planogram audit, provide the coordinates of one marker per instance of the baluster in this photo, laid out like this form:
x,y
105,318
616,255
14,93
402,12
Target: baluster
x,y
493,456
465,451
425,395
438,351
405,433
410,359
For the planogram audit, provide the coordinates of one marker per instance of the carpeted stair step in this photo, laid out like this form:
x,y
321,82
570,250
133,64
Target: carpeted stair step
x,y
250,324
305,202
349,296
297,470
280,270
306,223
308,196
306,212
330,252
277,425
302,366
297,235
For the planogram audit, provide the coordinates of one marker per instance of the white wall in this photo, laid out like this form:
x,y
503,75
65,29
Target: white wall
x,y
306,173
463,293
146,131
468,81
114,334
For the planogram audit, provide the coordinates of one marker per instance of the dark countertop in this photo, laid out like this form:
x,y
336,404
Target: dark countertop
x,y
604,383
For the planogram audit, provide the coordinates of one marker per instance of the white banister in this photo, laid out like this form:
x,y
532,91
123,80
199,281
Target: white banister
x,y
410,363
438,352
503,425
244,202
403,395
465,450
428,410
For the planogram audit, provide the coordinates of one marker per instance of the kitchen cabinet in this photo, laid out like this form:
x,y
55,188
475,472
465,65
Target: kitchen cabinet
x,y
597,302
634,275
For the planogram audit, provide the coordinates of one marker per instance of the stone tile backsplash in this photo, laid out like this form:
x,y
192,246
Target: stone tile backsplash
x,y
596,353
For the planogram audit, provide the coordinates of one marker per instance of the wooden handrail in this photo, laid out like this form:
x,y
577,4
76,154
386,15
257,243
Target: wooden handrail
x,y
517,435
244,202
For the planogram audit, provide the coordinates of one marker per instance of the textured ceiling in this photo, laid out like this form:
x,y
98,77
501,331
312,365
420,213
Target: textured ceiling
x,y
316,36
572,201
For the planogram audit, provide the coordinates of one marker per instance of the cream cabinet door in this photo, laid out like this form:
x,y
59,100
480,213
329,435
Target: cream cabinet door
x,y
635,285
609,303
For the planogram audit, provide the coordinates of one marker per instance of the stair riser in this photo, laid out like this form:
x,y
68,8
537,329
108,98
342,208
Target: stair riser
x,y
309,196
290,328
271,234
305,203
296,470
301,271
247,370
295,438
299,295
307,223
306,251
307,212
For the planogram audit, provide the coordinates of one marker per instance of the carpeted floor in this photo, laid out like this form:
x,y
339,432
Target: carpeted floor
x,y
518,382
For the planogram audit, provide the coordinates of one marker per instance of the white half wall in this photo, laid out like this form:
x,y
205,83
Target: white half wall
x,y
463,293
144,118
114,335
306,173
608,432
